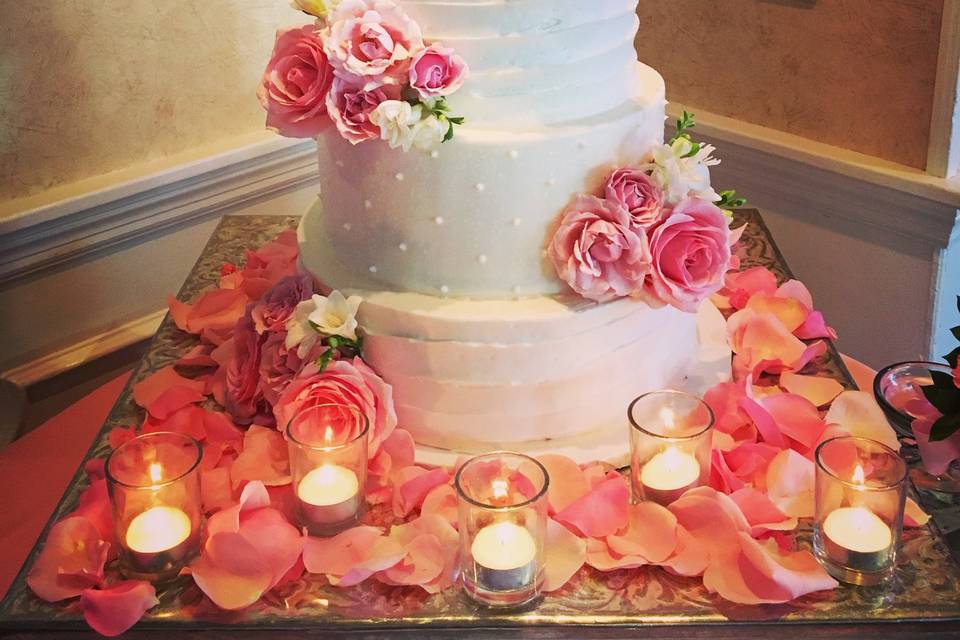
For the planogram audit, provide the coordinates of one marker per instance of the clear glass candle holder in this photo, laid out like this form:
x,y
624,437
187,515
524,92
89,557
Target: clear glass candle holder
x,y
154,487
328,466
860,494
503,524
670,438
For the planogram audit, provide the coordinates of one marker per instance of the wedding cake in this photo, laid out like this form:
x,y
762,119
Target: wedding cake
x,y
495,186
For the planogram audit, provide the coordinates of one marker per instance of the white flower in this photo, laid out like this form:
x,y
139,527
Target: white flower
x,y
397,121
680,174
428,134
333,315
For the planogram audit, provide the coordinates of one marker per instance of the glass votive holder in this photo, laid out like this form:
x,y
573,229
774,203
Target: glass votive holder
x,y
154,487
860,494
328,466
503,523
670,438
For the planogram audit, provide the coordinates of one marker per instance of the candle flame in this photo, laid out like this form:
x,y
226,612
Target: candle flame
x,y
156,472
666,415
328,435
859,476
500,489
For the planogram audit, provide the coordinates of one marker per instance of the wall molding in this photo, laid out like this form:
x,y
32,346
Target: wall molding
x,y
84,351
943,158
53,234
771,167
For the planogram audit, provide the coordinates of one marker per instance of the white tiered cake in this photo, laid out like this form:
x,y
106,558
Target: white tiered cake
x,y
463,312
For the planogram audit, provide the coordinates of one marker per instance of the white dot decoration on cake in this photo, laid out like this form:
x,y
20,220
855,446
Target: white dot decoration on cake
x,y
444,289
482,258
480,186
402,246
399,176
367,204
517,222
438,219
514,154
373,268
347,226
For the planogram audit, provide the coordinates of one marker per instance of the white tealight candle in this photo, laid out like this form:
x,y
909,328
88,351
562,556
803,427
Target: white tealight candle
x,y
329,494
505,555
858,529
158,529
667,475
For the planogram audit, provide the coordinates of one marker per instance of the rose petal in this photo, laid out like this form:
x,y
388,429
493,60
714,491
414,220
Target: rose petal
x,y
796,417
651,533
790,484
567,482
231,572
264,458
216,490
721,477
254,496
441,501
789,311
216,309
277,541
766,425
412,486
818,390
564,554
601,512
113,610
772,575
151,388
602,558
815,326
860,415
689,558
913,515
428,541
760,511
71,560
796,290
94,505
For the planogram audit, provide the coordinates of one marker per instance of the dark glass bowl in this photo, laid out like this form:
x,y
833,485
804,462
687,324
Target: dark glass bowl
x,y
897,384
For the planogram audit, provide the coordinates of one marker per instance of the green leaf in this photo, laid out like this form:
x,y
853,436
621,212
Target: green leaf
x,y
334,341
956,332
942,394
952,358
958,303
449,136
944,427
324,360
456,119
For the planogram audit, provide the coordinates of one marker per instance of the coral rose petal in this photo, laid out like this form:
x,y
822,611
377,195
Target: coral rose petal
x,y
278,542
71,560
789,311
422,562
772,575
148,390
689,558
94,505
415,538
216,490
264,458
217,310
113,610
764,422
760,511
441,501
814,327
352,556
860,415
818,390
602,511
564,554
790,484
740,286
602,558
721,477
796,290
412,486
796,417
231,572
913,515
399,445
567,481
651,533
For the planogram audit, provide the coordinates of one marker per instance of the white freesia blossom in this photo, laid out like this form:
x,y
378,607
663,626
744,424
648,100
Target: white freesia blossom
x,y
317,8
397,121
682,175
333,315
428,134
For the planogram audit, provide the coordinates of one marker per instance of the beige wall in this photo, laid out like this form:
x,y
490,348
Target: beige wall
x,y
90,86
853,73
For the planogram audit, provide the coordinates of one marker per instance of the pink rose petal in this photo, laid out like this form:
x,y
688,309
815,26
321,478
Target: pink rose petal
x,y
689,558
421,564
760,511
790,484
151,388
789,311
601,512
796,417
216,490
567,482
278,542
740,286
772,575
651,533
428,541
412,486
94,505
767,427
564,554
818,390
113,610
602,558
860,415
231,572
264,458
441,501
796,290
913,515
71,560
814,327
721,477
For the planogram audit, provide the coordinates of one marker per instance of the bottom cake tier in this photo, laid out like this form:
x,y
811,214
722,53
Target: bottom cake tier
x,y
525,374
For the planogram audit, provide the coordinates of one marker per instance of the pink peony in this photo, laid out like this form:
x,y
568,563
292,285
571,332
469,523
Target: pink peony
x,y
244,397
598,252
349,382
638,194
273,310
437,71
350,106
373,39
691,254
294,86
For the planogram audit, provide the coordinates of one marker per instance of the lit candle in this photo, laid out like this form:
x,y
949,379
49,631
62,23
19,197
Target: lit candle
x,y
856,537
668,475
158,529
505,555
329,494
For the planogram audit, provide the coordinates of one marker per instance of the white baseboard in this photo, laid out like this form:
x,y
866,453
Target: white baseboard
x,y
88,350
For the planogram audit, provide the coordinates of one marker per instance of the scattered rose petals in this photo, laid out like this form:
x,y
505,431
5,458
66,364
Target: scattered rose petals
x,y
913,515
651,533
441,501
860,415
169,390
412,486
790,484
564,554
431,550
113,610
71,560
264,458
567,482
818,390
796,417
352,556
602,511
231,572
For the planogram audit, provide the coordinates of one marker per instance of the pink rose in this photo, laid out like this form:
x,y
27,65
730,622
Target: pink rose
x,y
691,254
598,252
373,39
279,365
638,194
350,106
243,397
273,310
294,86
437,71
349,382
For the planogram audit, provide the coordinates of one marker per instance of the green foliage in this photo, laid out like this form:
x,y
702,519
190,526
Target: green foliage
x,y
729,200
339,347
944,394
684,123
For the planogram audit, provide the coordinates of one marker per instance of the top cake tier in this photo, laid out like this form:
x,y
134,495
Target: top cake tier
x,y
535,62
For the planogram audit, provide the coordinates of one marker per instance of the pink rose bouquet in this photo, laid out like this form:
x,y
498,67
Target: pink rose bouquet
x,y
274,309
350,106
349,382
638,194
598,252
437,71
691,253
373,40
294,86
